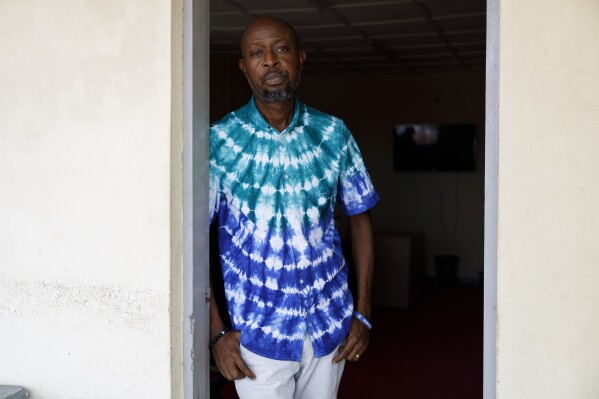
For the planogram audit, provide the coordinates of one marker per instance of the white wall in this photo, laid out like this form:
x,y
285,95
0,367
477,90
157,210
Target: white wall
x,y
85,213
548,209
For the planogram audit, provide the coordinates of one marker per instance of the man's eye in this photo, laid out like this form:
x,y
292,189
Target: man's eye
x,y
256,53
281,49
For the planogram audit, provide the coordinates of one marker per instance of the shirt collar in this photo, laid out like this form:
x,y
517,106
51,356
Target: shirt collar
x,y
263,124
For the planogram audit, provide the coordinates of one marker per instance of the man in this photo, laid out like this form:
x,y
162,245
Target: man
x,y
276,170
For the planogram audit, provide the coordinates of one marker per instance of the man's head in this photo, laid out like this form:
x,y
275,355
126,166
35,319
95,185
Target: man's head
x,y
272,60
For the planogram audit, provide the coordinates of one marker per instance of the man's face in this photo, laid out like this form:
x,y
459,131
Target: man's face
x,y
272,61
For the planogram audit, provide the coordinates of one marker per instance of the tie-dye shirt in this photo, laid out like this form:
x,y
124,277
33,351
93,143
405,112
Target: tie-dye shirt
x,y
274,194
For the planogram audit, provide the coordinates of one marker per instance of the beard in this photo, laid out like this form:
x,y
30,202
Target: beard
x,y
273,96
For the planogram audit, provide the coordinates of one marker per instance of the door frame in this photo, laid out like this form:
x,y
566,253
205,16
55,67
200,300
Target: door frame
x,y
196,287
196,65
491,200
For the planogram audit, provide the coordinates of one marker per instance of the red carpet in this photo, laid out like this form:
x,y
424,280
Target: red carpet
x,y
430,351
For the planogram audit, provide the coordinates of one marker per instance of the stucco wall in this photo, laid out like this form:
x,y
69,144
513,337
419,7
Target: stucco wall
x,y
85,134
548,209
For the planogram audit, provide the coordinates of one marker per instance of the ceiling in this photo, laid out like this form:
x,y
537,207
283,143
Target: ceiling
x,y
366,37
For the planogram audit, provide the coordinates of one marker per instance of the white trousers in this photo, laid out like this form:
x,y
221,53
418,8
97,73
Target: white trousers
x,y
310,378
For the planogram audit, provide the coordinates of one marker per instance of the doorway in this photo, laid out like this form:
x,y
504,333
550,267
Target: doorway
x,y
432,68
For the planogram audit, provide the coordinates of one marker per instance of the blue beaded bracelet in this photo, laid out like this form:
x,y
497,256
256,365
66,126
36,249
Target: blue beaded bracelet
x,y
363,319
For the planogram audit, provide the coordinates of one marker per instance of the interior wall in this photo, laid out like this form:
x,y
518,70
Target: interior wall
x,y
85,135
548,206
446,207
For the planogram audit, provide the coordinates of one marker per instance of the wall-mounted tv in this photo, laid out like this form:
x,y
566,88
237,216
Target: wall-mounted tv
x,y
434,147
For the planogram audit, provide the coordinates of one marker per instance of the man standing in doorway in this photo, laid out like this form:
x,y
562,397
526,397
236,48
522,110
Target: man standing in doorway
x,y
277,168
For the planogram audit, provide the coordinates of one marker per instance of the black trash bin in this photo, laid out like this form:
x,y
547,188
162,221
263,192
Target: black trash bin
x,y
446,268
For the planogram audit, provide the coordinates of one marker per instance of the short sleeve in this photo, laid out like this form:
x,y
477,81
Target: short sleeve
x,y
213,196
356,191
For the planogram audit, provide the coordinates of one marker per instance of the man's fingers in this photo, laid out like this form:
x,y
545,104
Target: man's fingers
x,y
236,369
344,352
353,354
228,371
231,371
244,369
228,358
340,356
357,342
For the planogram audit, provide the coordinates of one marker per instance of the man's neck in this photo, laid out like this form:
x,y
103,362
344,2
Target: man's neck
x,y
278,114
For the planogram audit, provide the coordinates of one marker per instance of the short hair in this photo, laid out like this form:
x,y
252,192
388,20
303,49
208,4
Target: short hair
x,y
274,19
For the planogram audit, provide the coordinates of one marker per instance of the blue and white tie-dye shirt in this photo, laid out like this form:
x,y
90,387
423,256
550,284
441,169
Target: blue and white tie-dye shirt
x,y
274,194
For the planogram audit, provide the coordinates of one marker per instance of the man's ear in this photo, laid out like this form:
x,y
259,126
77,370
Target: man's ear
x,y
302,58
241,63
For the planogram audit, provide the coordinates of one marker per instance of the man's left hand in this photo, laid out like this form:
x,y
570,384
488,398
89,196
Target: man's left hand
x,y
356,344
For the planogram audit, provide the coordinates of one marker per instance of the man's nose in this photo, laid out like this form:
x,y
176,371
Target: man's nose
x,y
270,59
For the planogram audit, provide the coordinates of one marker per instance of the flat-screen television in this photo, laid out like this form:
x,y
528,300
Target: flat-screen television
x,y
434,147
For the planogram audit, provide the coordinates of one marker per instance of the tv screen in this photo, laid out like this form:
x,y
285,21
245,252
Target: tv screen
x,y
434,147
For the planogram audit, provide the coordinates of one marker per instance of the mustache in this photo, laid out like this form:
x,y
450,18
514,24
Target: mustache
x,y
273,72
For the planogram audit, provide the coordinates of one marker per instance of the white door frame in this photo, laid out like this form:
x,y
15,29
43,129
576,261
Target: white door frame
x,y
196,291
491,200
196,62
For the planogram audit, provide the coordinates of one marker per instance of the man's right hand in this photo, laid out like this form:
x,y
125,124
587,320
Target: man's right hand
x,y
228,357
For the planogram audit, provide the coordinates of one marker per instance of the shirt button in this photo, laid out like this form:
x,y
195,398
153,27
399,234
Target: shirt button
x,y
286,176
304,314
301,281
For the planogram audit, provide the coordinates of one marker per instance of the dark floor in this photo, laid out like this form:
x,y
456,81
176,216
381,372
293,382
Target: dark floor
x,y
432,350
